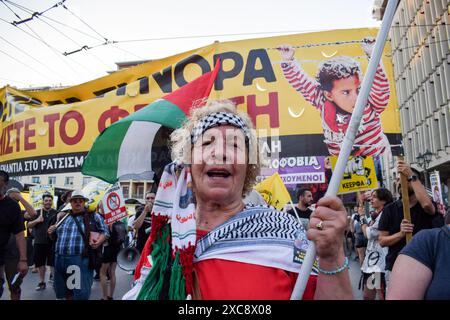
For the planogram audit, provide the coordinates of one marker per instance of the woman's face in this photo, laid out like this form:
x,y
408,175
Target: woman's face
x,y
219,165
376,203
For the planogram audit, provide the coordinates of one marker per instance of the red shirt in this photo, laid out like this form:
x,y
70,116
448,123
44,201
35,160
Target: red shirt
x,y
230,280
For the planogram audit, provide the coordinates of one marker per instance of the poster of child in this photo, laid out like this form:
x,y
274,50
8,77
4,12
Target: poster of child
x,y
334,92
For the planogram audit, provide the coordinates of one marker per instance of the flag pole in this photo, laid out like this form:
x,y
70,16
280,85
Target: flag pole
x,y
405,200
349,139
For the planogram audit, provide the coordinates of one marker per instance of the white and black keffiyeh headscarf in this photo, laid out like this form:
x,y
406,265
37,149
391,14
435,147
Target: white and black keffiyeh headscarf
x,y
217,119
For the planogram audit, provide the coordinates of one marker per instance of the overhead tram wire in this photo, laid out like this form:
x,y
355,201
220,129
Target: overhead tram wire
x,y
126,51
82,21
24,52
10,9
31,57
112,42
23,63
32,13
221,35
37,37
76,43
38,14
70,27
53,49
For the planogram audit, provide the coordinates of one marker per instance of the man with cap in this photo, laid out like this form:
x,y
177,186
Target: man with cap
x,y
43,246
75,244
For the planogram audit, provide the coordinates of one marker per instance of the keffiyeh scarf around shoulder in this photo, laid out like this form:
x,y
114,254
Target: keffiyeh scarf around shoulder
x,y
257,235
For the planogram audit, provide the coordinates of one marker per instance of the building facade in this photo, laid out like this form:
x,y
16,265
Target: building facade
x,y
420,42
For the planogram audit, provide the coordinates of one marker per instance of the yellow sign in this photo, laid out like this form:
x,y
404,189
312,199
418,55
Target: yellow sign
x,y
51,131
273,191
36,193
359,174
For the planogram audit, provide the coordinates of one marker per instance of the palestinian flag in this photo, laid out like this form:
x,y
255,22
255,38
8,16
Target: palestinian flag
x,y
124,149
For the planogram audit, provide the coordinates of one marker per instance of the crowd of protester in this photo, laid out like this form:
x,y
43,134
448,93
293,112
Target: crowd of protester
x,y
47,241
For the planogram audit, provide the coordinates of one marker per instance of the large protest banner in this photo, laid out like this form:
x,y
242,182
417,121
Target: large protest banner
x,y
51,131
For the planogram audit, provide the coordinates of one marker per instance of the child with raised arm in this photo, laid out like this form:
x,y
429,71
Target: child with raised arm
x,y
334,93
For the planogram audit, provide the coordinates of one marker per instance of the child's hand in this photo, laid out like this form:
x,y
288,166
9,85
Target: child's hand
x,y
368,43
287,52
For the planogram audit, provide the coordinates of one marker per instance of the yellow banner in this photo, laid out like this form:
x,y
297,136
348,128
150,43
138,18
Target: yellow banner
x,y
52,131
36,193
359,174
273,191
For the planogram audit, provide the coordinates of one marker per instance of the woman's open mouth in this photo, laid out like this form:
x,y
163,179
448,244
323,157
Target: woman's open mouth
x,y
218,173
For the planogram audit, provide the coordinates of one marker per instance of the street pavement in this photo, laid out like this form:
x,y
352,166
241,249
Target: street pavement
x,y
124,281
123,284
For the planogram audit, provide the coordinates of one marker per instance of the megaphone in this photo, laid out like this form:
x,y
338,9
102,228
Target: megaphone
x,y
128,258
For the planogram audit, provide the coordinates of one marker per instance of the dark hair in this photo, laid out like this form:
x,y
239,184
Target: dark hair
x,y
384,194
47,195
66,195
417,173
4,175
337,68
301,192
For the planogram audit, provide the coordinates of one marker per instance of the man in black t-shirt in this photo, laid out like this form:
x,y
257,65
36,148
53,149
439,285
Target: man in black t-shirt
x,y
11,222
305,199
143,222
393,228
43,246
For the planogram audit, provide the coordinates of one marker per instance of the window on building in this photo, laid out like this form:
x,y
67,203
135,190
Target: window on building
x,y
86,180
126,191
68,182
140,192
52,180
36,180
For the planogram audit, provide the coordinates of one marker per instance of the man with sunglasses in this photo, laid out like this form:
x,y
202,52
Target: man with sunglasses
x,y
76,234
143,222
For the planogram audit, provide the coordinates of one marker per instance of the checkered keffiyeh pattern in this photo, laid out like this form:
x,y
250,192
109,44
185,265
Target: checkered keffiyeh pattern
x,y
216,119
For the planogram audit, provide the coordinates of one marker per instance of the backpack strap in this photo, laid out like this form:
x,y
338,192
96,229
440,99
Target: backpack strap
x,y
83,235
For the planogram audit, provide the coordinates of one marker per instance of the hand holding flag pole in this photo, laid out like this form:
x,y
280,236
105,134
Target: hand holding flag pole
x,y
405,200
349,139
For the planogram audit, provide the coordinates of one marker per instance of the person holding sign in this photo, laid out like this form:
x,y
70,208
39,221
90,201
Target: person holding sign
x,y
217,247
393,227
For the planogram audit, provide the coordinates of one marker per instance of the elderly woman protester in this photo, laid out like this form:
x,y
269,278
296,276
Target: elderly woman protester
x,y
421,271
374,262
221,247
